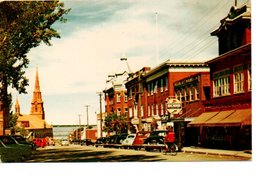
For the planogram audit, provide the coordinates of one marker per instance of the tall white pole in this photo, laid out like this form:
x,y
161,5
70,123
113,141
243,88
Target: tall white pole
x,y
157,45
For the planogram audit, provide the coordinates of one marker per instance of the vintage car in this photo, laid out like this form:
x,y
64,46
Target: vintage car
x,y
24,150
129,140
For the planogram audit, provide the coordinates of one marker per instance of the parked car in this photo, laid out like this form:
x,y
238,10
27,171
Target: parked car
x,y
86,142
9,154
156,137
129,140
100,141
22,140
40,142
25,150
64,142
140,137
117,138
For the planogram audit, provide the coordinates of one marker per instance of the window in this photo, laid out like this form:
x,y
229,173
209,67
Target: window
x,y
130,93
118,97
221,83
151,88
155,86
161,86
187,94
162,111
238,82
197,95
148,89
249,78
118,111
126,97
166,83
192,93
25,123
148,111
131,112
238,79
126,111
142,110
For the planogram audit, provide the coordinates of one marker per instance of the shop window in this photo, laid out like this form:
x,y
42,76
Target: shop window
x,y
221,83
238,79
249,78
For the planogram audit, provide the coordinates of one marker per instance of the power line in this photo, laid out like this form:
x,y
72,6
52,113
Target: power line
x,y
201,22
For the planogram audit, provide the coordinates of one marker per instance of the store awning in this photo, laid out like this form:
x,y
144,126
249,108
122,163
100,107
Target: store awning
x,y
223,118
198,121
239,117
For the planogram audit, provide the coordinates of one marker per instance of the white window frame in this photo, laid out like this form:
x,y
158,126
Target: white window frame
x,y
118,97
221,85
249,74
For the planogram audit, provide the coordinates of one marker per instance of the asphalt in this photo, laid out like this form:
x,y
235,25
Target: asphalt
x,y
245,154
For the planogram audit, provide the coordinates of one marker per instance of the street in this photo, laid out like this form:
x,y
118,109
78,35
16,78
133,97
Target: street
x,y
77,153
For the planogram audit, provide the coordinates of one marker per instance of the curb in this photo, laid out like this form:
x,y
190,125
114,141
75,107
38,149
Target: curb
x,y
219,153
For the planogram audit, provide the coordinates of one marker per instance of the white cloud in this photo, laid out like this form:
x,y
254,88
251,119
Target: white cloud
x,y
81,60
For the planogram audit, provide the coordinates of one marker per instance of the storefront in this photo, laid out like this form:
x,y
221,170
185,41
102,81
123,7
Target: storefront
x,y
229,129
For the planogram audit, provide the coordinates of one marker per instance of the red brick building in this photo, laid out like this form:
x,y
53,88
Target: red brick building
x,y
149,90
116,95
226,122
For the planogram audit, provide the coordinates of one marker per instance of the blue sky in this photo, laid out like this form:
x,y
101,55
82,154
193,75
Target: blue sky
x,y
98,33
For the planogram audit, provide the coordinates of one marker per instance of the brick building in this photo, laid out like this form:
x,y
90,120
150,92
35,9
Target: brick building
x,y
226,122
116,95
149,89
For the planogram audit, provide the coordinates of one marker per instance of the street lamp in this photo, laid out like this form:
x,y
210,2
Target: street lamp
x,y
87,115
101,120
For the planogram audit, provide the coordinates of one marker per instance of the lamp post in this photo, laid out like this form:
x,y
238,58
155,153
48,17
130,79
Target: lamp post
x,y
87,115
101,119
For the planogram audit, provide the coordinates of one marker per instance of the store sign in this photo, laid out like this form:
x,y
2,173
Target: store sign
x,y
174,106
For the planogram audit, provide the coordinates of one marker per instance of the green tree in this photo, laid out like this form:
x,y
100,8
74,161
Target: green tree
x,y
23,26
118,124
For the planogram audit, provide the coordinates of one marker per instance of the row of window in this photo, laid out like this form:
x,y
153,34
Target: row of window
x,y
189,93
221,83
162,84
154,109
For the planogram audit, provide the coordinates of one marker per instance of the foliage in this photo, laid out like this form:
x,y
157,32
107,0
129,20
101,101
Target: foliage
x,y
118,124
24,25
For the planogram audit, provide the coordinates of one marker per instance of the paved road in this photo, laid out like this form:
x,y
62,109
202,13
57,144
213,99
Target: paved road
x,y
76,153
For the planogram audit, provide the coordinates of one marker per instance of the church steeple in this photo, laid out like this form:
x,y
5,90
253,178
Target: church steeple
x,y
17,107
37,103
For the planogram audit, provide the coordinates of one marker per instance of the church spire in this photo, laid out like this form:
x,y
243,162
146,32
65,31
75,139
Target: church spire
x,y
37,103
37,83
17,107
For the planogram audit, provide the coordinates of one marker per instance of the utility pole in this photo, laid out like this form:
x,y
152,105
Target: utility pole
x,y
79,131
101,119
87,115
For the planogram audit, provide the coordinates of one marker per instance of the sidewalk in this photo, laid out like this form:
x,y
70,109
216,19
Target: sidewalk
x,y
192,149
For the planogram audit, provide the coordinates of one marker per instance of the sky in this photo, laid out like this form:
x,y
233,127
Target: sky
x,y
98,33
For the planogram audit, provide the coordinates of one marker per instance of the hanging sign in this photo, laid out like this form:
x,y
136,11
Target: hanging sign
x,y
174,106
